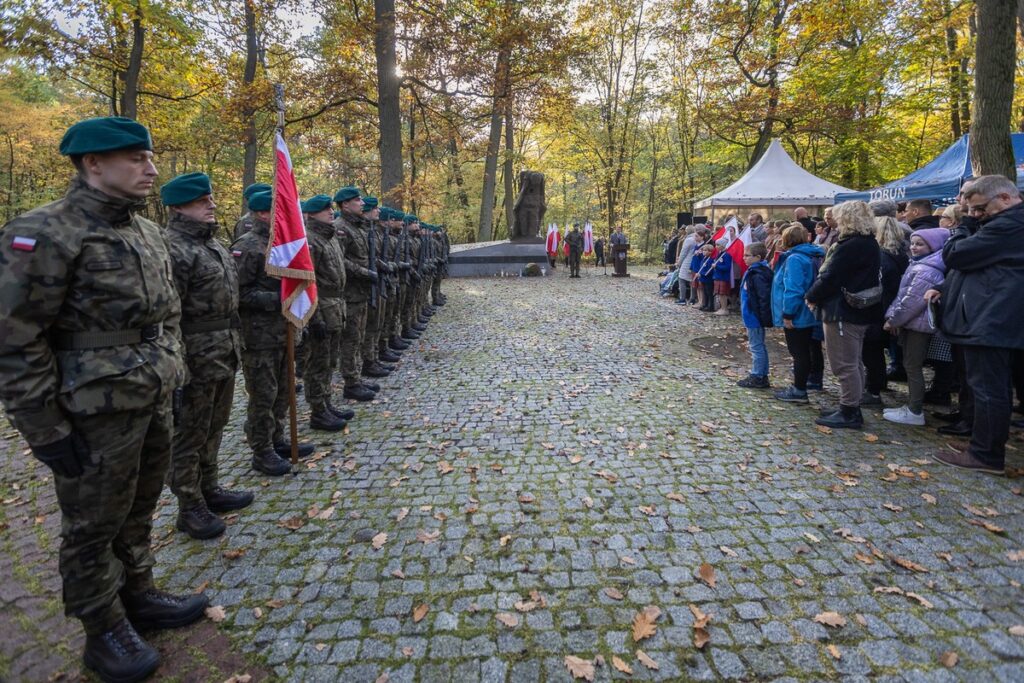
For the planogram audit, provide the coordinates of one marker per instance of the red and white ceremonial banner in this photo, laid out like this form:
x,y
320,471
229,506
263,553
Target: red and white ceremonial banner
x,y
588,239
288,254
736,249
553,239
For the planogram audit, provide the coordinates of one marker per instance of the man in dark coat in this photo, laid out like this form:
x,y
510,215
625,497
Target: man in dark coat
x,y
982,309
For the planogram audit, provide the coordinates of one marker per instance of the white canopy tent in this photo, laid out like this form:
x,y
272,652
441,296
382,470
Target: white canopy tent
x,y
774,181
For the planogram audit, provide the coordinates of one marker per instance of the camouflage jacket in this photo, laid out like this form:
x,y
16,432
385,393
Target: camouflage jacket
x,y
575,241
243,225
389,254
353,236
207,283
84,265
259,295
329,266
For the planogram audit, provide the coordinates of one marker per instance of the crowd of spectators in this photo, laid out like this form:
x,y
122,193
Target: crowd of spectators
x,y
926,287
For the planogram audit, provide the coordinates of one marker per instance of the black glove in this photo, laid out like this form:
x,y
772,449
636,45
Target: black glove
x,y
177,404
416,276
372,275
404,265
64,457
318,329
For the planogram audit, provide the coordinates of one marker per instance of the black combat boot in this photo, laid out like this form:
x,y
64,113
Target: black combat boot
x,y
326,421
155,609
120,655
199,522
284,449
221,499
372,386
420,326
440,301
428,312
269,462
358,392
396,343
390,356
409,334
343,413
844,418
375,370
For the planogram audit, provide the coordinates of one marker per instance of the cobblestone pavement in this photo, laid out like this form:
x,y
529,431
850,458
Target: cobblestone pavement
x,y
553,457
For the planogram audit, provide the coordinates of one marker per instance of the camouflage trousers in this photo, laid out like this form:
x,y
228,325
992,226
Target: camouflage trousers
x,y
352,342
387,329
411,311
266,381
321,359
206,407
107,512
374,325
435,288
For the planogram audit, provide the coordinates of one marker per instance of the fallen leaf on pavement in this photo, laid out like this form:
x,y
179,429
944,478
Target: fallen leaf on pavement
x,y
987,525
834,651
908,564
833,619
707,574
621,666
928,498
647,510
428,537
643,623
292,523
646,660
379,540
508,619
216,614
678,497
949,659
402,514
503,541
234,553
420,612
614,593
1015,555
444,467
1017,630
580,668
726,550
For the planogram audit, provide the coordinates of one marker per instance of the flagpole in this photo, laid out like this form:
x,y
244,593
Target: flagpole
x,y
293,424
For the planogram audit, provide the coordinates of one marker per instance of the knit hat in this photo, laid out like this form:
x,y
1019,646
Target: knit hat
x,y
933,237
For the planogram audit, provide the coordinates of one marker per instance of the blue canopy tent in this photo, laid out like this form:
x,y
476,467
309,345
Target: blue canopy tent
x,y
938,180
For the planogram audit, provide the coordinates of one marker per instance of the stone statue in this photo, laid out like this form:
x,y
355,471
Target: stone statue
x,y
528,211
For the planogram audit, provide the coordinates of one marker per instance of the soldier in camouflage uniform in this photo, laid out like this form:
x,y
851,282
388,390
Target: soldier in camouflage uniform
x,y
328,322
401,237
444,249
264,346
244,224
90,355
353,237
205,278
376,307
386,351
411,325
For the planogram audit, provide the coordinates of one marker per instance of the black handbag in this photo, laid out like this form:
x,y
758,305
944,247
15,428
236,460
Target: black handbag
x,y
865,298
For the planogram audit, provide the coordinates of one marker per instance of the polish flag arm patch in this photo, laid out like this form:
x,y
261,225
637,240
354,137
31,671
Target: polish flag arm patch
x,y
23,243
236,253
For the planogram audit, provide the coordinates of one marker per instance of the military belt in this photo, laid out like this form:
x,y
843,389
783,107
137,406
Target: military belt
x,y
199,326
80,341
330,292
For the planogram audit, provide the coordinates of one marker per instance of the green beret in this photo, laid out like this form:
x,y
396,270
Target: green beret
x,y
345,194
254,188
385,214
369,204
410,218
316,203
185,188
105,134
397,215
260,201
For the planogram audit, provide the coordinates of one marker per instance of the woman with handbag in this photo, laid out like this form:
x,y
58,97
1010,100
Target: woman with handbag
x,y
847,298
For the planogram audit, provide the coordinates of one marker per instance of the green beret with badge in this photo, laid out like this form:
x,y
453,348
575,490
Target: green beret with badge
x,y
345,194
316,203
369,204
261,201
253,189
185,188
105,134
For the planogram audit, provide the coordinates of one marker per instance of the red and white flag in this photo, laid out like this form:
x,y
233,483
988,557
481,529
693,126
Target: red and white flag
x,y
553,239
588,239
288,254
736,248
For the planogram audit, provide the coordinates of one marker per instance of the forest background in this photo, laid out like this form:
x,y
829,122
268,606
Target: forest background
x,y
634,109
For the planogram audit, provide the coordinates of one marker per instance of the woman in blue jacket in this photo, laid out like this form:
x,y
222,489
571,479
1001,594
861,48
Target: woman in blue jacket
x,y
794,276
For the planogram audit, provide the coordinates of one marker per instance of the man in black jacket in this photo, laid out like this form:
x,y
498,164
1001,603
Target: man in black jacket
x,y
982,311
919,215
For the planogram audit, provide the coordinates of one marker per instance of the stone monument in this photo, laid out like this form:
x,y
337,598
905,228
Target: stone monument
x,y
528,211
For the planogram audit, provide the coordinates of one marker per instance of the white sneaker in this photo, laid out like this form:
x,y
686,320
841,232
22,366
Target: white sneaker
x,y
904,416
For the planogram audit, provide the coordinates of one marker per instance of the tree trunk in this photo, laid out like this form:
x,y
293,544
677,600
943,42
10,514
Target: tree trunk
x,y
493,145
130,92
412,158
460,187
249,110
995,60
509,152
388,106
953,73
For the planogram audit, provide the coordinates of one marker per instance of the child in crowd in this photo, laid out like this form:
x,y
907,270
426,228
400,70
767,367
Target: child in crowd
x,y
908,313
793,277
696,263
756,307
722,278
706,277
